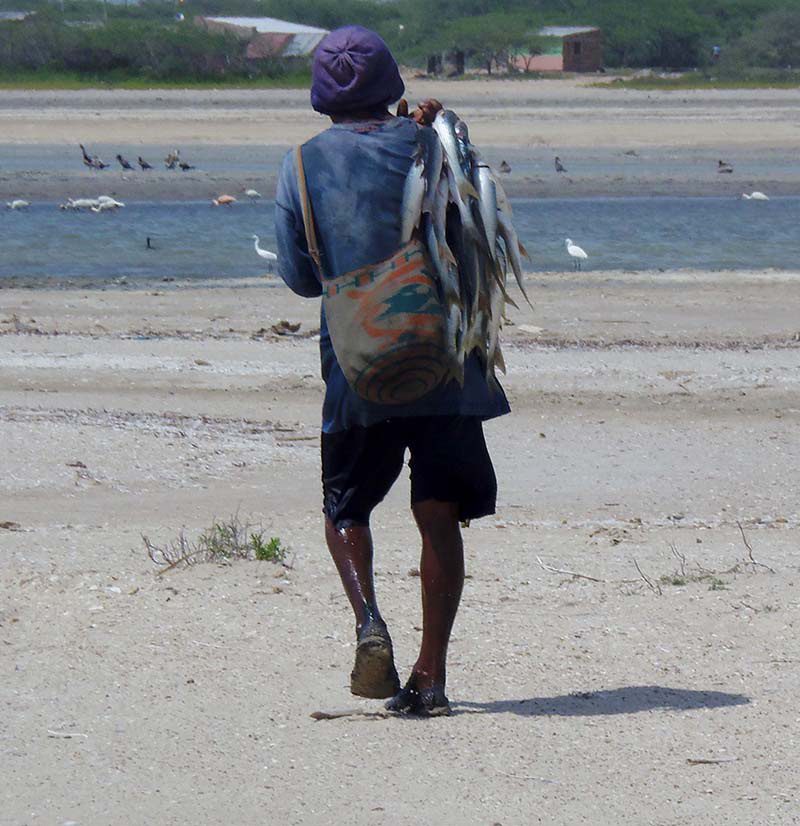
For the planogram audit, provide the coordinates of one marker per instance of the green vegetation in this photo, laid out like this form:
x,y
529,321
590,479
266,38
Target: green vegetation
x,y
272,551
224,541
81,41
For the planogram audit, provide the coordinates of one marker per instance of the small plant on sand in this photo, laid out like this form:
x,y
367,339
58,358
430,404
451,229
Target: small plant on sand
x,y
223,542
272,551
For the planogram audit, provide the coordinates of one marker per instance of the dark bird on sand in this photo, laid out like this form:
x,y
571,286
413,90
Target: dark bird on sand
x,y
505,167
124,163
723,166
92,161
559,166
143,163
185,166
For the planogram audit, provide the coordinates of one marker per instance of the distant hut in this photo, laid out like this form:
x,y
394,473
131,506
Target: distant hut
x,y
581,49
267,37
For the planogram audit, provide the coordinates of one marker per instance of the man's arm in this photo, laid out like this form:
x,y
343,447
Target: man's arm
x,y
294,263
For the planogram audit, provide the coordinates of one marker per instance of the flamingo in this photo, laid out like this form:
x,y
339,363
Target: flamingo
x,y
270,256
18,203
576,252
755,196
224,200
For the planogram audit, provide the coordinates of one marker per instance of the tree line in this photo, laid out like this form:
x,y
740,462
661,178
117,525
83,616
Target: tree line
x,y
147,40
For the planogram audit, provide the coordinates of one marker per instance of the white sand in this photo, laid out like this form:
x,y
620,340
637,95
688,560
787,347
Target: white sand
x,y
130,698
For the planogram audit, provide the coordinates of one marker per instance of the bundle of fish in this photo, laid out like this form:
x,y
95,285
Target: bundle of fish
x,y
458,208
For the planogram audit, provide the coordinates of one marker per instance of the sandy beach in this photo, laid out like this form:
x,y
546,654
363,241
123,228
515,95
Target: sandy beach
x,y
627,650
613,141
652,412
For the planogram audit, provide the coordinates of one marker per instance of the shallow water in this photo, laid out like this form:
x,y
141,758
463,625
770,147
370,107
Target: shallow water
x,y
195,240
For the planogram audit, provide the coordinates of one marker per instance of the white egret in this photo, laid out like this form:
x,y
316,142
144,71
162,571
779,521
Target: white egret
x,y
270,256
755,196
252,194
576,253
111,202
17,204
81,203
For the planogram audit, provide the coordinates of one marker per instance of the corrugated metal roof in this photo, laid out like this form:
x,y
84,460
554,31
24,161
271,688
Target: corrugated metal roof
x,y
565,31
303,44
268,25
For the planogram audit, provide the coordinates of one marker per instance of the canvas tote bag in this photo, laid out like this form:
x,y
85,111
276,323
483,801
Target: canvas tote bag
x,y
386,320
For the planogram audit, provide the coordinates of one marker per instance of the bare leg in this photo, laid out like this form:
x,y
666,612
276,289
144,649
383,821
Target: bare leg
x,y
351,549
374,674
442,574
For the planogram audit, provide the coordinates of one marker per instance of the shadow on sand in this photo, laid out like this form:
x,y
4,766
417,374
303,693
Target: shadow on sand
x,y
626,700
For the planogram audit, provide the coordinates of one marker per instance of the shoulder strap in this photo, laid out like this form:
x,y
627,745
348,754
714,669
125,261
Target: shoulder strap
x,y
308,217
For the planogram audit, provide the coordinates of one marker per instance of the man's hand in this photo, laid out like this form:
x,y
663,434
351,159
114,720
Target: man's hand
x,y
426,111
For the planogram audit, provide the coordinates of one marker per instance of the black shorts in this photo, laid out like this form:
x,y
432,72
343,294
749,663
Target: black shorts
x,y
449,463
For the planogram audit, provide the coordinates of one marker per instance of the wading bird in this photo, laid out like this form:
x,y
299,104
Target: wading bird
x,y
224,200
17,204
724,167
185,166
172,159
252,194
559,166
505,167
270,256
143,163
576,253
92,161
124,163
755,196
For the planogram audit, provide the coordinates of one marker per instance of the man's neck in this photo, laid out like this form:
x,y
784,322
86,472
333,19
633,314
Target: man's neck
x,y
354,117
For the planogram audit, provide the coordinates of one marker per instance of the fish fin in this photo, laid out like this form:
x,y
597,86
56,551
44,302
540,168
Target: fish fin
x,y
465,188
499,361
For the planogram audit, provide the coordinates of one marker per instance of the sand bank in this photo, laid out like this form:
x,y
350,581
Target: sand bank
x,y
649,412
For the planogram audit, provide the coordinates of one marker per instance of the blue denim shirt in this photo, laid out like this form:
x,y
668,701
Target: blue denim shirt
x,y
355,174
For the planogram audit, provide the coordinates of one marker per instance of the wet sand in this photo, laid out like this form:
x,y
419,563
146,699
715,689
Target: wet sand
x,y
651,412
613,141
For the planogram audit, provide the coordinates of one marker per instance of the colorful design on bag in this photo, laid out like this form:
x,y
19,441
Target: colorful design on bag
x,y
387,328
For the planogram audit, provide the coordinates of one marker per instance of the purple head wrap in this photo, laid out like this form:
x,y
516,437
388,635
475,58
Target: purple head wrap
x,y
353,71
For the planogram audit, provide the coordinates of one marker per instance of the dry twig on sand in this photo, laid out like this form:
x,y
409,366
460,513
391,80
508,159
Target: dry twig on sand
x,y
653,586
747,545
565,572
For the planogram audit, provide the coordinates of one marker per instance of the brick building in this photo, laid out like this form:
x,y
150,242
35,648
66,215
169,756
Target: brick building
x,y
581,47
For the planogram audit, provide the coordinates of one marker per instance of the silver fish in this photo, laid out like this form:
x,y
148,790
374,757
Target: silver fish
x,y
444,125
513,249
467,220
487,204
434,157
413,193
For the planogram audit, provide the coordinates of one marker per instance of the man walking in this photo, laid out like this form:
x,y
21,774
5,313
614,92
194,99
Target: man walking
x,y
354,173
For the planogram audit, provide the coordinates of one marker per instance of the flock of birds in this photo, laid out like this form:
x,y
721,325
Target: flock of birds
x,y
172,161
105,203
